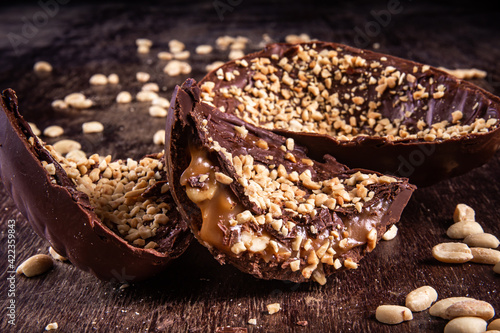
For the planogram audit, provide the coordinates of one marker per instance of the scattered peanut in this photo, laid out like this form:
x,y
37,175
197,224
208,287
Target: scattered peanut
x,y
252,321
142,76
391,233
35,265
159,137
78,101
53,131
52,326
393,314
273,308
204,49
92,127
165,55
465,325
236,54
113,78
470,308
143,49
485,256
438,309
146,96
161,101
462,229
176,67
482,240
65,146
56,255
454,253
463,213
76,155
421,298
143,42
85,104
496,268
59,104
35,129
176,46
151,86
494,325
42,66
184,55
213,66
157,111
124,97
98,80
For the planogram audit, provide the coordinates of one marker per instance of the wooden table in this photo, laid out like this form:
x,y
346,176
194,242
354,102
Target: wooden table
x,y
197,294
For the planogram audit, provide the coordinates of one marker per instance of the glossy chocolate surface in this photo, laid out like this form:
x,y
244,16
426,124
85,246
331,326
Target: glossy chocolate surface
x,y
194,123
65,217
424,162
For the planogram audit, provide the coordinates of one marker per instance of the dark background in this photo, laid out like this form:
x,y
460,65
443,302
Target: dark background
x,y
196,294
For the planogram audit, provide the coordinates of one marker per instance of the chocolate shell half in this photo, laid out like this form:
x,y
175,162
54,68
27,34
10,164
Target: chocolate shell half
x,y
257,200
367,109
83,208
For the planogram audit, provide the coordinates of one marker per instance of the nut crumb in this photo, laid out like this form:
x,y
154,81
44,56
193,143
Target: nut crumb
x,y
159,137
273,308
52,326
42,66
56,255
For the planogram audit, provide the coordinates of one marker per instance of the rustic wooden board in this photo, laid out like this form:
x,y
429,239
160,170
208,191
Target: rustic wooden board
x,y
197,294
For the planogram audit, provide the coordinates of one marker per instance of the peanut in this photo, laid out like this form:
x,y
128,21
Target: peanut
x,y
465,325
462,229
485,256
494,325
42,66
393,314
35,265
482,240
463,213
454,253
65,146
421,298
391,233
56,255
273,308
496,268
438,309
470,308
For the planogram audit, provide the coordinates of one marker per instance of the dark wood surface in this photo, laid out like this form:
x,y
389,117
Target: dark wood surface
x,y
197,294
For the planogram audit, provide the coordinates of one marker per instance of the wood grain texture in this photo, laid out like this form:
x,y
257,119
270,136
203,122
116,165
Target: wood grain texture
x,y
197,294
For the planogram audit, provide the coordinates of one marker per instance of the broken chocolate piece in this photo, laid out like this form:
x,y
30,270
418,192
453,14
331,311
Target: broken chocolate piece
x,y
367,109
266,207
82,209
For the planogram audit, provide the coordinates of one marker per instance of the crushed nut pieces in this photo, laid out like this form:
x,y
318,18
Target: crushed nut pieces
x,y
115,191
273,308
298,93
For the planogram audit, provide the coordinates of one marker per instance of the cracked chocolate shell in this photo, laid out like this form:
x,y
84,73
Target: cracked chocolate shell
x,y
258,201
115,219
367,109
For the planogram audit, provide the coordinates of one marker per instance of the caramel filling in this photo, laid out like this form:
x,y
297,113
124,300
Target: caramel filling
x,y
224,226
216,202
